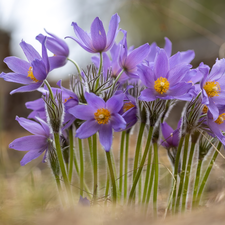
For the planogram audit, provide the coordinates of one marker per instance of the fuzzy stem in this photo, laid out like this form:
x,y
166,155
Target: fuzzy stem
x,y
121,162
155,190
147,176
107,186
95,166
81,166
71,154
182,174
187,177
126,164
207,172
50,90
76,65
133,188
99,71
113,181
90,148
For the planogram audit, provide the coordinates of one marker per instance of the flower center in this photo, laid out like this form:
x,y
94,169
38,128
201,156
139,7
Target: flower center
x,y
220,119
127,106
31,75
162,85
205,109
212,88
102,116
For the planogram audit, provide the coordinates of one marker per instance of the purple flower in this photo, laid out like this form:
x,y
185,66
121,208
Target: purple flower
x,y
97,40
58,47
100,116
162,81
213,86
31,73
171,136
35,144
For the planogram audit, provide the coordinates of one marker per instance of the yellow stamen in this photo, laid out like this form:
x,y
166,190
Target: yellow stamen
x,y
102,116
127,106
31,75
162,85
220,119
205,109
212,88
67,99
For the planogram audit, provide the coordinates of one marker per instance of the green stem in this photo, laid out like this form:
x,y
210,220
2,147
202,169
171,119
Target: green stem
x,y
90,148
197,178
99,71
121,162
71,154
176,172
81,167
147,176
49,89
78,68
117,78
207,172
113,181
182,174
155,190
107,186
140,182
187,177
126,164
133,188
95,166
61,162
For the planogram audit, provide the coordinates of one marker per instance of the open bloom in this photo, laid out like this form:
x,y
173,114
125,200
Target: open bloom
x,y
31,73
213,86
58,47
97,40
162,81
35,144
100,116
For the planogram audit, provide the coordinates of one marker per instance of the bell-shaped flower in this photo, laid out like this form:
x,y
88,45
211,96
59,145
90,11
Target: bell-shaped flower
x,y
100,116
58,47
35,144
97,40
32,73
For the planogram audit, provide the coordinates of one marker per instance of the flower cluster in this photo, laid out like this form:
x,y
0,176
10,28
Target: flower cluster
x,y
123,88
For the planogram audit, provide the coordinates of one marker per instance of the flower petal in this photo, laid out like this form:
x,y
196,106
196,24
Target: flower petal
x,y
148,95
168,47
161,64
16,78
118,122
27,88
98,35
94,101
115,103
87,129
39,70
30,156
105,136
82,112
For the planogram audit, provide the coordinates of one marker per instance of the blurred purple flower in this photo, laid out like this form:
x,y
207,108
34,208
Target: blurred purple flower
x,y
58,47
97,40
100,116
31,73
35,144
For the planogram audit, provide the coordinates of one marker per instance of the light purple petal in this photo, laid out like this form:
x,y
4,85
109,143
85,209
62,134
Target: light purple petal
x,y
39,70
146,75
187,56
161,65
115,103
105,136
218,70
57,61
166,132
16,78
113,28
152,52
179,89
29,51
174,60
27,88
31,126
17,65
213,109
168,47
44,125
98,35
118,122
30,156
82,112
94,101
87,129
148,95
27,143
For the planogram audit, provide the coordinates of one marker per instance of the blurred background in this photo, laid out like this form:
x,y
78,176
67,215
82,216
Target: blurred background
x,y
190,24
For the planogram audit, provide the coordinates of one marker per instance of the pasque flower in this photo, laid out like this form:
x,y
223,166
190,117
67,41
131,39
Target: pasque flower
x,y
58,47
100,116
97,40
162,81
35,144
31,73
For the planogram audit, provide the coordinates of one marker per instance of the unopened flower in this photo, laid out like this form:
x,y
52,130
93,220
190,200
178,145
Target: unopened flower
x,y
99,116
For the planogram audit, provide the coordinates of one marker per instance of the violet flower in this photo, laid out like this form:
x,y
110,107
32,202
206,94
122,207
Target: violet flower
x,y
213,86
35,144
31,73
58,47
97,40
100,116
162,81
